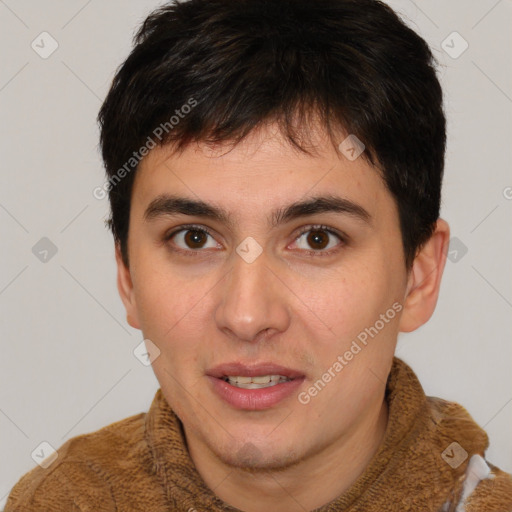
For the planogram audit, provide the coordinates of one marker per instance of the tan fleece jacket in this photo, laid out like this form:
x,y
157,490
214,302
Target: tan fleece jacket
x,y
141,464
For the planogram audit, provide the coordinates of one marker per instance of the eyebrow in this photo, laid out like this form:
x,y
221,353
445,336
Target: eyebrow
x,y
172,205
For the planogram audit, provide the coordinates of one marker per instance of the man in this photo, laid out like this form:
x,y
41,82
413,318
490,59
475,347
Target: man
x,y
274,172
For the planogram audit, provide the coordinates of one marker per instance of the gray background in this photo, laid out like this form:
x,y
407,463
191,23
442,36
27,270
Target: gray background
x,y
67,365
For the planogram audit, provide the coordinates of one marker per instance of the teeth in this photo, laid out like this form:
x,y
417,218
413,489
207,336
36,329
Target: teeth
x,y
261,381
242,380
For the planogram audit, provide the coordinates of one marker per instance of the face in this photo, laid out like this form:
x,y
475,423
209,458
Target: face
x,y
261,261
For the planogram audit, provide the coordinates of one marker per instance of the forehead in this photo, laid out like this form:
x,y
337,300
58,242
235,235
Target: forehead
x,y
262,171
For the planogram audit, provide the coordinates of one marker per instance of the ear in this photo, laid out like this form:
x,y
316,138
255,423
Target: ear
x,y
126,292
424,279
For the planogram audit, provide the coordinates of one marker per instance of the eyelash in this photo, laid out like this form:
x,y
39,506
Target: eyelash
x,y
327,229
305,229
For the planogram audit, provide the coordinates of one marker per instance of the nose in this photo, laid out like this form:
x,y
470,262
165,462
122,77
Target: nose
x,y
252,300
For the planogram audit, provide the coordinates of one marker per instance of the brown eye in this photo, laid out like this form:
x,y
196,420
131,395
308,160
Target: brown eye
x,y
319,239
195,239
189,239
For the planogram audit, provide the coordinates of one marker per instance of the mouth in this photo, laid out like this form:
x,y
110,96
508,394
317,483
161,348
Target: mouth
x,y
263,381
254,387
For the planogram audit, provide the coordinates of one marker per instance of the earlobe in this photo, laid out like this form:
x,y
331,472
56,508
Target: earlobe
x,y
126,291
425,279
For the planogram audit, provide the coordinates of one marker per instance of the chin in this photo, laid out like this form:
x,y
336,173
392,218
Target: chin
x,y
255,458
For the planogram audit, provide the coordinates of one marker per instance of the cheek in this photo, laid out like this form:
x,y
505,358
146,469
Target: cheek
x,y
349,298
170,307
349,304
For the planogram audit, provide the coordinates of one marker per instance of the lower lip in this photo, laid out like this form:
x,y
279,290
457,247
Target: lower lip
x,y
254,399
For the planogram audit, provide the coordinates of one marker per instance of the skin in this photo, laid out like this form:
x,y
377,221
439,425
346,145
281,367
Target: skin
x,y
290,306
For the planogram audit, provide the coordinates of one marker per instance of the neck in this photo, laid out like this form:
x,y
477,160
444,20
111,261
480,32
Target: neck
x,y
330,471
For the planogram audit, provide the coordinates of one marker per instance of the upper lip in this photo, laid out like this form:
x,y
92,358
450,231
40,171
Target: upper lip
x,y
252,370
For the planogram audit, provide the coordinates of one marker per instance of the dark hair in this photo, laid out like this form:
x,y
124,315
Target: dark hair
x,y
237,64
